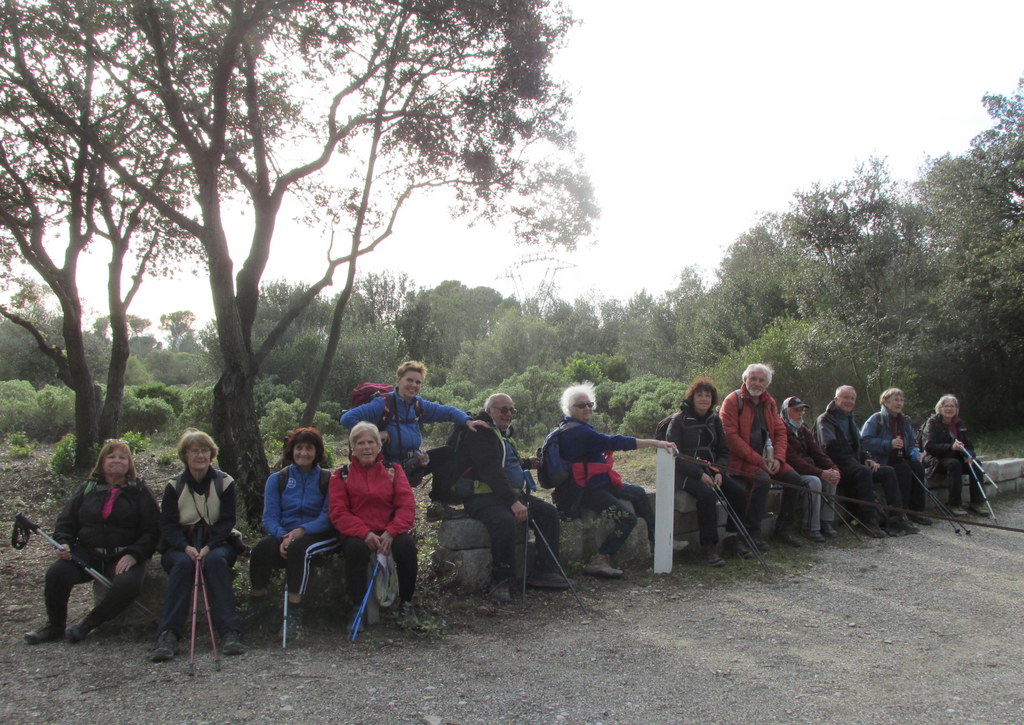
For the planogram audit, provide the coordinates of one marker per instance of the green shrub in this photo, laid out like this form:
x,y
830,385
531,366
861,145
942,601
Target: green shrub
x,y
166,459
63,461
172,396
137,443
197,408
43,415
280,420
145,414
19,446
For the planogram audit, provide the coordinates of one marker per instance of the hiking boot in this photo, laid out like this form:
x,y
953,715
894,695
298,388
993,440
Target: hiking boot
x,y
978,510
872,529
49,632
957,509
500,592
232,644
908,527
760,543
546,579
786,537
407,617
828,530
679,544
166,647
711,555
601,565
78,632
439,511
920,520
735,545
255,611
815,536
293,622
352,621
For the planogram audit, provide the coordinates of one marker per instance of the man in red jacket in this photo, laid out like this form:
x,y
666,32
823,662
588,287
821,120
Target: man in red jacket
x,y
757,446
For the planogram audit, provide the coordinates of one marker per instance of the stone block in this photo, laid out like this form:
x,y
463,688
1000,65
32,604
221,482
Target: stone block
x,y
1004,469
471,568
466,533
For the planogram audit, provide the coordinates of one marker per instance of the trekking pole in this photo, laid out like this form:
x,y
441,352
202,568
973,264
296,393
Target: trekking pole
x,y
195,615
366,598
209,619
23,528
981,469
526,551
284,622
540,535
731,513
842,513
942,508
981,487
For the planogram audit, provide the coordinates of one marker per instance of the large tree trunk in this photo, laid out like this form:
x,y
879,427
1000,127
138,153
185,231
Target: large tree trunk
x,y
237,432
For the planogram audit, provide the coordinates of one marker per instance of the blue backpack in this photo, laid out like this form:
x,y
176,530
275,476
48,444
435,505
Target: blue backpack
x,y
554,470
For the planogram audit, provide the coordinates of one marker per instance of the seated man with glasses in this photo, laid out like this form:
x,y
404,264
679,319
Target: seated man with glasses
x,y
594,485
495,486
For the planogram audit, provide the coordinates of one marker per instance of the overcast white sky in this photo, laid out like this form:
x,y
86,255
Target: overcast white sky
x,y
694,120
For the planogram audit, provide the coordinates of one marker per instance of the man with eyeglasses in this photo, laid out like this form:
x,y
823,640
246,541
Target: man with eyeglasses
x,y
496,487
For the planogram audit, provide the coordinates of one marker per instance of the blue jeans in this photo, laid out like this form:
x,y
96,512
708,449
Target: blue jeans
x,y
606,500
181,572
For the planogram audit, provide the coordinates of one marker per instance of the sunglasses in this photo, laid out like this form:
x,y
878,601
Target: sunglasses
x,y
506,409
581,406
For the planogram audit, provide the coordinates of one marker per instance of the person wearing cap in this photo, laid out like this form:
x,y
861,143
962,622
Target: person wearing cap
x,y
757,445
806,457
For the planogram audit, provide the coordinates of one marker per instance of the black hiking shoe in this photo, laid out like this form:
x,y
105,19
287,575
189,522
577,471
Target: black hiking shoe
x,y
77,633
166,647
49,632
232,644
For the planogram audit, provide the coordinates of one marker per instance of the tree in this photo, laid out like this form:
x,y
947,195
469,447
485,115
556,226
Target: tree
x,y
178,328
249,102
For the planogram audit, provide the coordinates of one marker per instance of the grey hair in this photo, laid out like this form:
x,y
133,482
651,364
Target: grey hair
x,y
840,389
768,372
947,398
489,403
361,427
570,394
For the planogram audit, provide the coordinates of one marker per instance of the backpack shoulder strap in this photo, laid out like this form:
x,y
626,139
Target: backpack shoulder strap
x,y
325,481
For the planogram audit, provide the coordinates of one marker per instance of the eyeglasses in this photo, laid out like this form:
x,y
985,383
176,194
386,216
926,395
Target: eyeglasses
x,y
198,452
581,406
506,409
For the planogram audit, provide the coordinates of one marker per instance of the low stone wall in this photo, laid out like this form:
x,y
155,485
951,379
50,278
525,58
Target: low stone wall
x,y
464,546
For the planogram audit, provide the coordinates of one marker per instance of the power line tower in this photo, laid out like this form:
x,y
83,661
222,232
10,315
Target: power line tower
x,y
515,272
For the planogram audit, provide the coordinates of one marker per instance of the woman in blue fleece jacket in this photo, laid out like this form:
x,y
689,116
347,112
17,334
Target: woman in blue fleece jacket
x,y
297,522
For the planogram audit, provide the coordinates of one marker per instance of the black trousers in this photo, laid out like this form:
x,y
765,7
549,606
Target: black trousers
x,y
63,575
357,556
500,522
707,512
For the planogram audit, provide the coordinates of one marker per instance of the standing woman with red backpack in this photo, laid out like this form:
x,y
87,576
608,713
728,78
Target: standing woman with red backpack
x,y
398,416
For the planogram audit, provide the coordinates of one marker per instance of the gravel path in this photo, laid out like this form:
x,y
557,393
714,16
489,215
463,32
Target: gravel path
x,y
919,629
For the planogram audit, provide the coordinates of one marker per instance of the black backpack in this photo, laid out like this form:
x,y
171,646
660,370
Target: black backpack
x,y
554,471
661,432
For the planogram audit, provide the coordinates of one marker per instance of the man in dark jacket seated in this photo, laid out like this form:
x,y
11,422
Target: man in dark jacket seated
x,y
839,436
806,457
496,492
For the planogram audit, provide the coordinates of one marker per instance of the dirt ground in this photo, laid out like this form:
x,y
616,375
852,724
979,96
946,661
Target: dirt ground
x,y
923,628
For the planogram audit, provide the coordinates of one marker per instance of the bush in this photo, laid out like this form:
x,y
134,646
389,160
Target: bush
x,y
197,408
19,446
281,419
43,415
137,443
145,414
63,461
172,396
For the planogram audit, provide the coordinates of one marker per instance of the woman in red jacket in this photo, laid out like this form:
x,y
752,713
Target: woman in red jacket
x,y
373,509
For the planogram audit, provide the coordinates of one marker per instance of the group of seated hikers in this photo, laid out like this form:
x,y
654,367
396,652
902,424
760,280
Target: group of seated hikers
x,y
366,509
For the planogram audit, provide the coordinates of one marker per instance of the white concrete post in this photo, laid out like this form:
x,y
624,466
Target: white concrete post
x,y
664,514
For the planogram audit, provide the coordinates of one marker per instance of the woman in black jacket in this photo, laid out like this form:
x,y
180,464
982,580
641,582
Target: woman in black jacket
x,y
697,432
944,441
110,524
